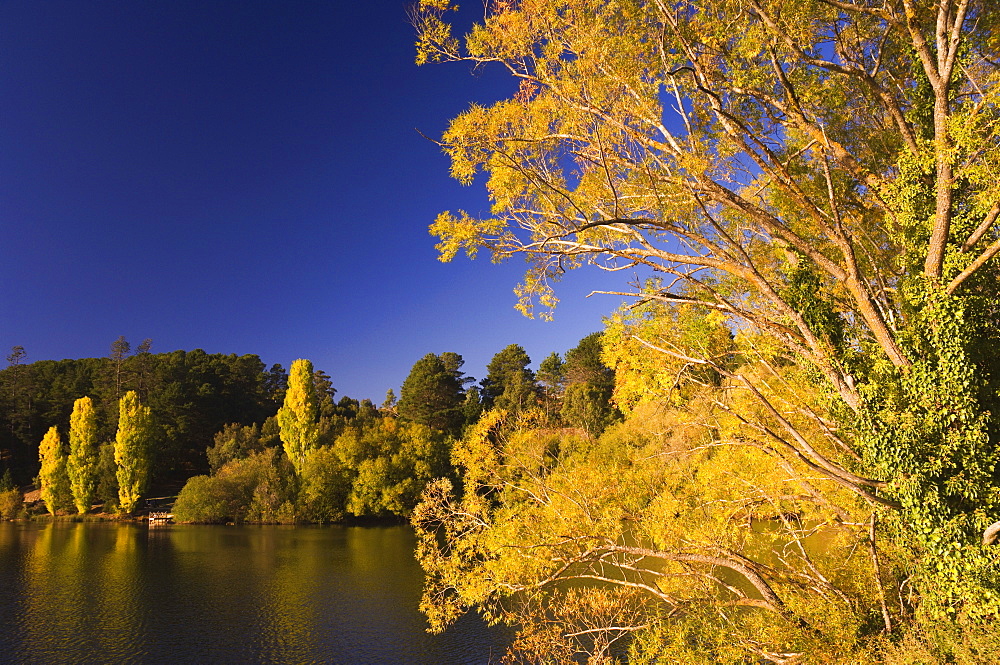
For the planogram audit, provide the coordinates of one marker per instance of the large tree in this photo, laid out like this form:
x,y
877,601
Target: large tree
x,y
821,179
587,401
432,393
81,465
509,384
52,475
298,416
133,450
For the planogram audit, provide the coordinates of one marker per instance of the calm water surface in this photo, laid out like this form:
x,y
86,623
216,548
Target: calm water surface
x,y
108,593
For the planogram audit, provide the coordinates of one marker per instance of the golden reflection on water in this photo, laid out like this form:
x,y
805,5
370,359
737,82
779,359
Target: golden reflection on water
x,y
66,592
124,593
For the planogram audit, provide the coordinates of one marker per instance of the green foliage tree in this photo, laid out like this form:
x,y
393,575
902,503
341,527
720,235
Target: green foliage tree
x,y
326,486
298,417
588,406
390,461
587,402
432,393
552,382
256,488
133,450
81,465
235,441
509,384
822,175
54,483
107,478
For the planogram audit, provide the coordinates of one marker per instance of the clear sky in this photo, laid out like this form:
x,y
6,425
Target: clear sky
x,y
246,177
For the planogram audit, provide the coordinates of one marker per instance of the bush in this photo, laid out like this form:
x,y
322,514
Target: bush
x,y
251,489
325,486
11,504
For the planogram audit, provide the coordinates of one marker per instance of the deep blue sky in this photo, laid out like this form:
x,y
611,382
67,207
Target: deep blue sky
x,y
245,177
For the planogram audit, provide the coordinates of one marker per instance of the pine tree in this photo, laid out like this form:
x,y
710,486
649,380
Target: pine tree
x,y
54,484
509,384
132,450
81,466
432,393
298,417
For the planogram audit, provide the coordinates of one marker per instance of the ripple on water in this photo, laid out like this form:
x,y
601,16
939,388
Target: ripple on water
x,y
107,593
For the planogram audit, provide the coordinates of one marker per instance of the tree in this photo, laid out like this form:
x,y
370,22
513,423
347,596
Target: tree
x,y
233,442
81,465
820,174
298,417
119,352
54,484
432,393
588,406
552,381
552,375
389,403
132,450
585,365
324,392
20,392
587,401
143,367
276,383
509,384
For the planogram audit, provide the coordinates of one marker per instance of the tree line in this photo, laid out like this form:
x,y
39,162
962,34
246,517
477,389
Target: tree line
x,y
192,395
276,446
311,462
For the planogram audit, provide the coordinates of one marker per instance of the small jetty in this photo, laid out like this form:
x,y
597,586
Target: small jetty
x,y
160,518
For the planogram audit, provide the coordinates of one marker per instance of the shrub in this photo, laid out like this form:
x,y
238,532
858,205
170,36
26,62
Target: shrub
x,y
11,504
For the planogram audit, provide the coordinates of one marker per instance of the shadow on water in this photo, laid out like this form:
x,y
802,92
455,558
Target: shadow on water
x,y
125,593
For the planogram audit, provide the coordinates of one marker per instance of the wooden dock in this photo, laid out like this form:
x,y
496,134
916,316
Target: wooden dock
x,y
160,518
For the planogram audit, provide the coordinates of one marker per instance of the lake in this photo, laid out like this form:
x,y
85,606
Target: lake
x,y
127,593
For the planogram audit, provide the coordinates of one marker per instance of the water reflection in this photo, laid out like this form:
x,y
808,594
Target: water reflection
x,y
128,594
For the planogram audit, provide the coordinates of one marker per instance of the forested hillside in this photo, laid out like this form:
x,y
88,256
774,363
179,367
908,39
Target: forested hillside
x,y
192,395
255,444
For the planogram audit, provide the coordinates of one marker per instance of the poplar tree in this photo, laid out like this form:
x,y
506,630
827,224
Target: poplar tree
x,y
81,466
132,443
298,416
52,475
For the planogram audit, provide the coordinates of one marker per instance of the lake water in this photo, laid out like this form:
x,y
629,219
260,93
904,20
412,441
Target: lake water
x,y
126,593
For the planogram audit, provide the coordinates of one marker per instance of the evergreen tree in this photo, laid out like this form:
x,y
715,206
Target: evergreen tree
x,y
81,466
591,383
472,406
389,403
584,364
119,351
588,406
276,383
552,381
509,384
54,484
298,417
432,393
132,450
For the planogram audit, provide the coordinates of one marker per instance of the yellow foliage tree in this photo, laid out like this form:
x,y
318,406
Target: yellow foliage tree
x,y
298,416
81,465
132,450
55,485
